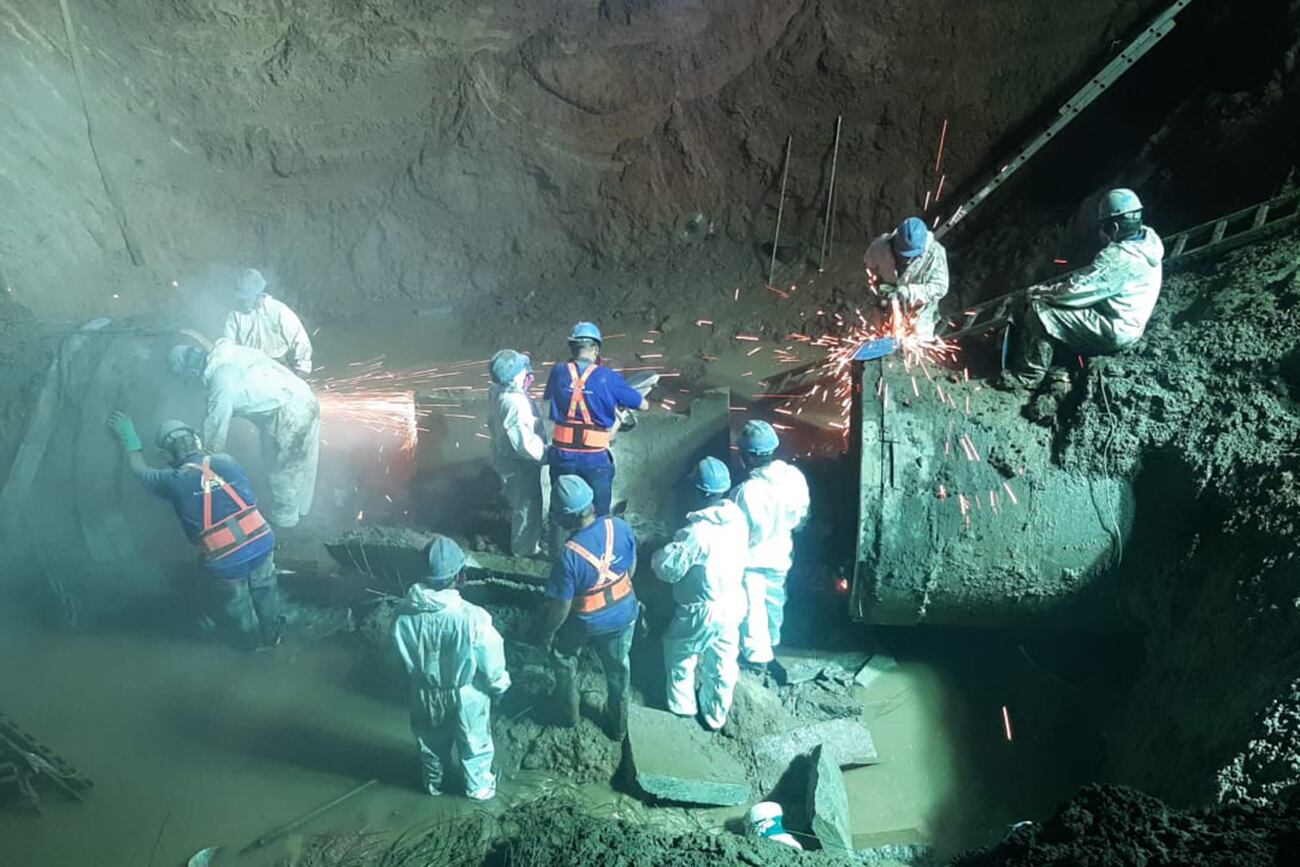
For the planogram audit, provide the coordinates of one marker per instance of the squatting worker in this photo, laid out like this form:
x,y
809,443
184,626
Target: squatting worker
x,y
457,664
705,564
1100,310
218,512
244,382
518,447
584,395
910,265
261,322
775,501
591,601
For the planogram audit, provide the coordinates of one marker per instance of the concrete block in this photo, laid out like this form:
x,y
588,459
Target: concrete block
x,y
846,742
673,759
876,666
828,803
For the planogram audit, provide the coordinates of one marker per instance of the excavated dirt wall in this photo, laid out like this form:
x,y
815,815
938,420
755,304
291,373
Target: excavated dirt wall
x,y
470,151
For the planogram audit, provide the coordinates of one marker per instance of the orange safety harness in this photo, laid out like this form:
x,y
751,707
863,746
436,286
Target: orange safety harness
x,y
610,586
239,528
577,432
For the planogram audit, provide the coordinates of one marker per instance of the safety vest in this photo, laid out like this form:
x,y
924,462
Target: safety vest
x,y
577,432
610,586
241,527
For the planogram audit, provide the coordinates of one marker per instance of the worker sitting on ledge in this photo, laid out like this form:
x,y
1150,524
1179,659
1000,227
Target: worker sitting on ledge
x,y
1100,310
909,265
218,511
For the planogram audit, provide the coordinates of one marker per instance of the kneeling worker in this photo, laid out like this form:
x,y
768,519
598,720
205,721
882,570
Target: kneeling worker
x,y
1102,309
591,601
218,511
911,266
457,664
705,564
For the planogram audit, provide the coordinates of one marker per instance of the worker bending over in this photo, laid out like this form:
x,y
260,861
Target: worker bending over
x,y
218,511
705,564
584,396
775,501
266,324
1100,310
244,382
518,447
457,664
591,601
910,265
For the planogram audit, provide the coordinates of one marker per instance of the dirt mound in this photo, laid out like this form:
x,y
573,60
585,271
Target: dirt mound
x,y
1112,825
1269,767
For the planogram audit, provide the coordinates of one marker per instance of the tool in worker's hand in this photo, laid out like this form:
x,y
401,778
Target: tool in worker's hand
x,y
642,382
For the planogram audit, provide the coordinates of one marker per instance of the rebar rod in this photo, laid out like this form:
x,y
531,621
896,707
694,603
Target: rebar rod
x,y
780,209
830,196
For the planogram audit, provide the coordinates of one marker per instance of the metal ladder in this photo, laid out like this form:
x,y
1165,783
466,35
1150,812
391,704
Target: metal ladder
x,y
1182,248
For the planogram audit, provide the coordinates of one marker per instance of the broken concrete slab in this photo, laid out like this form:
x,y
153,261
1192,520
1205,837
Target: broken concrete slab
x,y
673,759
800,669
526,570
828,803
876,666
846,742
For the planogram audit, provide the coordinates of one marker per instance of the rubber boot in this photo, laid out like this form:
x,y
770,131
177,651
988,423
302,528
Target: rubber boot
x,y
617,724
566,689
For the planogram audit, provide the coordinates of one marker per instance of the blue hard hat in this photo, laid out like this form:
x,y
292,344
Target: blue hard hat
x,y
573,494
1117,203
586,331
712,476
184,358
507,364
251,284
446,559
910,237
758,438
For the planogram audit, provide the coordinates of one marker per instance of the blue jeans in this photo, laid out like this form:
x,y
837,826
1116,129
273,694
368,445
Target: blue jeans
x,y
594,468
613,650
251,606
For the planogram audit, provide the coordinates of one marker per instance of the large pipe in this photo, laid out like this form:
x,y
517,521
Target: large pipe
x,y
963,516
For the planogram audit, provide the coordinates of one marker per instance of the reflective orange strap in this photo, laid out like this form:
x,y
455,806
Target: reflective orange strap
x,y
578,400
601,564
205,469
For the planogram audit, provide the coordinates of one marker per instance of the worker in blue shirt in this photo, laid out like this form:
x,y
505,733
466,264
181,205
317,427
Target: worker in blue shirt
x,y
591,601
584,396
215,504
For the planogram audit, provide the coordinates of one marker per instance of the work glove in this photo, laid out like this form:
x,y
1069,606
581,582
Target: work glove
x,y
124,429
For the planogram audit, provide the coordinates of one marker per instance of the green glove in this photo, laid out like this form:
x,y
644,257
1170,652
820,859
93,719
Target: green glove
x,y
124,429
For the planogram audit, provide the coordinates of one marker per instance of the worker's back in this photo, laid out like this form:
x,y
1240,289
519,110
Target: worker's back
x,y
251,381
1136,270
440,638
775,499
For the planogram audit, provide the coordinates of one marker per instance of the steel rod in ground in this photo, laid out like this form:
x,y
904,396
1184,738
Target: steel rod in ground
x,y
780,209
830,196
272,836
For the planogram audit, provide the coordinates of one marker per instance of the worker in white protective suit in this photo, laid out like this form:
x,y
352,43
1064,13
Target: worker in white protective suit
x,y
1100,310
518,447
775,501
705,564
261,322
457,664
911,266
243,382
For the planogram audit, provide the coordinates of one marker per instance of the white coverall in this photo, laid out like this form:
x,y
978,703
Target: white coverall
x,y
457,664
518,449
245,382
1102,309
275,330
705,564
921,285
775,501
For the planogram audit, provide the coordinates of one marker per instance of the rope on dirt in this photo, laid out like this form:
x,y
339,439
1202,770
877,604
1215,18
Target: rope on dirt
x,y
1113,528
132,248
